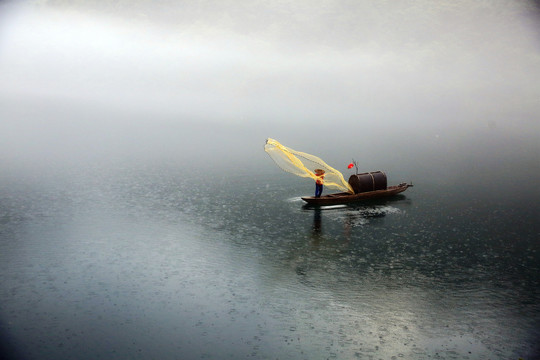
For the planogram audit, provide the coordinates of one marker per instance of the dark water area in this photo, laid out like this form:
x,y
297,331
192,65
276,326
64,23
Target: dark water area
x,y
165,263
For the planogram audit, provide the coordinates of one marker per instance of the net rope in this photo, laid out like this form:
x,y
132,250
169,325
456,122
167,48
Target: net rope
x,y
305,165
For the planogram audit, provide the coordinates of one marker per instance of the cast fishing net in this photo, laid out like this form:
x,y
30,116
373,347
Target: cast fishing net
x,y
305,165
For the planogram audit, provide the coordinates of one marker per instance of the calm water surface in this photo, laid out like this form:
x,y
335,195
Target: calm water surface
x,y
155,263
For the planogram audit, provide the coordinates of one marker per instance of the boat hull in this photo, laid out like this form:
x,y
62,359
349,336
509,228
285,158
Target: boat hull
x,y
344,198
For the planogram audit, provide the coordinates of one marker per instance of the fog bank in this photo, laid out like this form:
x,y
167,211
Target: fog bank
x,y
135,79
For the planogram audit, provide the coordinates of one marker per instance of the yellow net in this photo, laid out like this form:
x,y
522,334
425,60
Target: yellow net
x,y
305,165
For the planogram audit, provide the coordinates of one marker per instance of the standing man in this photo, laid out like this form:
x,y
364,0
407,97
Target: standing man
x,y
319,182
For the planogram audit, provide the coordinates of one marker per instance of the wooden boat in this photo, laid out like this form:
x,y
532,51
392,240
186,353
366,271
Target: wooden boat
x,y
344,198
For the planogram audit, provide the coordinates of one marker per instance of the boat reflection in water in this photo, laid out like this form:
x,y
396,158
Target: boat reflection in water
x,y
352,215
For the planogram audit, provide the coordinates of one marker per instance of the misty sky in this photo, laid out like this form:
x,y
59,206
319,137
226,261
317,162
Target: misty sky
x,y
73,68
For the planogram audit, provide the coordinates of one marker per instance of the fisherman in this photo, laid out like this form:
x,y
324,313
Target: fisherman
x,y
319,182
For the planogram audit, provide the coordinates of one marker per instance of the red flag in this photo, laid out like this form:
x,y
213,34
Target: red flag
x,y
350,166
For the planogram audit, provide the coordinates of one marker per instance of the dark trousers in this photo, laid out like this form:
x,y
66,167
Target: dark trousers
x,y
318,190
